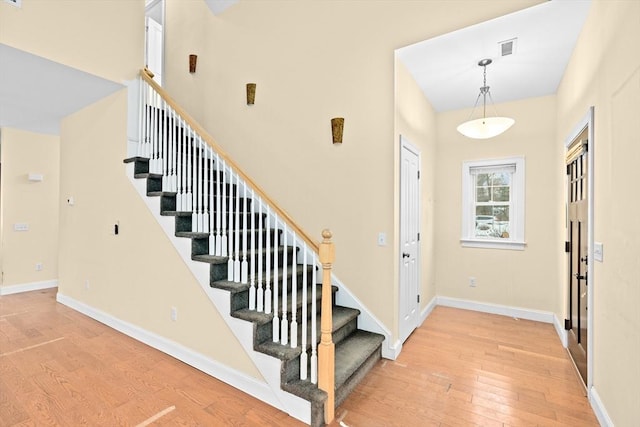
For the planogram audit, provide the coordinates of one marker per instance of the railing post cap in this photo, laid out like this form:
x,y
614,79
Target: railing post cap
x,y
326,234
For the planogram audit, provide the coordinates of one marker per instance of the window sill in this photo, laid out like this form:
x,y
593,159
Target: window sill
x,y
493,244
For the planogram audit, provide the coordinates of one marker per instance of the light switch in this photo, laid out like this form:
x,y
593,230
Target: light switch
x,y
382,239
21,226
598,251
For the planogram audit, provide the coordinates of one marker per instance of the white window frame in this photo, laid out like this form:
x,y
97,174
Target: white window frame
x,y
515,241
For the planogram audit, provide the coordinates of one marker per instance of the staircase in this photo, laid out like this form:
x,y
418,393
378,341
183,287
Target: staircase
x,y
272,279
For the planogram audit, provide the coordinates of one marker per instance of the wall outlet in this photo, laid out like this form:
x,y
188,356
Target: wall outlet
x,y
39,266
472,282
21,226
382,239
86,284
174,313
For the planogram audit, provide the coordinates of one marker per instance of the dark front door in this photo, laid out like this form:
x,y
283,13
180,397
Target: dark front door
x,y
577,196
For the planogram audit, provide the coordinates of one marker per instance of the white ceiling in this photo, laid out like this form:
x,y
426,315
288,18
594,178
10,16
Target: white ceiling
x,y
35,93
446,67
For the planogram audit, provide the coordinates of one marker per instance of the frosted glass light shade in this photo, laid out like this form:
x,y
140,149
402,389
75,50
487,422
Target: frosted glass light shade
x,y
485,128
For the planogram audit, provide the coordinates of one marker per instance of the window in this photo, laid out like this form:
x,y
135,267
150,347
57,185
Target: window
x,y
493,203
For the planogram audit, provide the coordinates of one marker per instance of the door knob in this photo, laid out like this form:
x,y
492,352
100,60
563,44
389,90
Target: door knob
x,y
405,255
580,277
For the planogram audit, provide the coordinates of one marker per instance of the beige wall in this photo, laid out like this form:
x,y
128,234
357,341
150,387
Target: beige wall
x,y
605,72
313,61
100,37
136,276
33,203
416,121
527,278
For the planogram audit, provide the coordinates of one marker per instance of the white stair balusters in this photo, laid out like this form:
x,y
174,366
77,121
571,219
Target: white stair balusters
x,y
314,334
194,185
164,146
217,240
188,178
276,317
224,241
258,232
294,293
157,162
252,274
236,244
211,205
303,356
231,251
284,334
199,186
244,266
154,135
173,181
206,179
142,104
267,273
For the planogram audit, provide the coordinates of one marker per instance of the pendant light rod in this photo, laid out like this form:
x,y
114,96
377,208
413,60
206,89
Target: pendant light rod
x,y
485,127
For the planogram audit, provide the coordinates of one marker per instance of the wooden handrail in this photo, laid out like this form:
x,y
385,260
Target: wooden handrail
x,y
211,142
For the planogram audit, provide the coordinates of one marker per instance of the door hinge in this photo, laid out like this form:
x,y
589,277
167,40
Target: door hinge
x,y
418,174
567,247
418,237
418,297
568,169
567,324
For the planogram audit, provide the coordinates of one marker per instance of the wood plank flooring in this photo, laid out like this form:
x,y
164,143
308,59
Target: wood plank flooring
x,y
60,368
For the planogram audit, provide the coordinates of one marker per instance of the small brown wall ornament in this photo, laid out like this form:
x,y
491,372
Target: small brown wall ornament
x,y
193,60
251,93
337,126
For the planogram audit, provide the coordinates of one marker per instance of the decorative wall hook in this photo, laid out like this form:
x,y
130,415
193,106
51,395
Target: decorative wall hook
x,y
193,60
337,126
251,93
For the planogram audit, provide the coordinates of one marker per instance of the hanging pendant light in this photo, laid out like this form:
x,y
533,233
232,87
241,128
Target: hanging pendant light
x,y
485,127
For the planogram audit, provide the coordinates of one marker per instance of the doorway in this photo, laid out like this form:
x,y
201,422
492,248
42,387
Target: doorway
x,y
154,38
579,247
410,199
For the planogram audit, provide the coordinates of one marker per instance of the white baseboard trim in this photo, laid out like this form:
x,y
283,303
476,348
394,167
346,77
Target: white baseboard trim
x,y
28,287
391,351
504,310
562,333
427,310
599,409
236,379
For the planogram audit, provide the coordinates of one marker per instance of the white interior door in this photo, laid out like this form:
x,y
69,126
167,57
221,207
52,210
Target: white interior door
x,y
154,48
409,237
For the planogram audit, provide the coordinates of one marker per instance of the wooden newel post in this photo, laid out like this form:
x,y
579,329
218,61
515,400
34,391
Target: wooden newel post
x,y
326,350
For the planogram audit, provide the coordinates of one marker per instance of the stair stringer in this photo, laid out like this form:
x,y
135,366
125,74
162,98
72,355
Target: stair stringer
x,y
269,367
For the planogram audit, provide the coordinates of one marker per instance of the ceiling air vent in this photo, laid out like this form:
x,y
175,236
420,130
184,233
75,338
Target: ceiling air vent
x,y
508,47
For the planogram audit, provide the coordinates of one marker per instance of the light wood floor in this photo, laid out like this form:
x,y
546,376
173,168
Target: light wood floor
x,y
58,367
